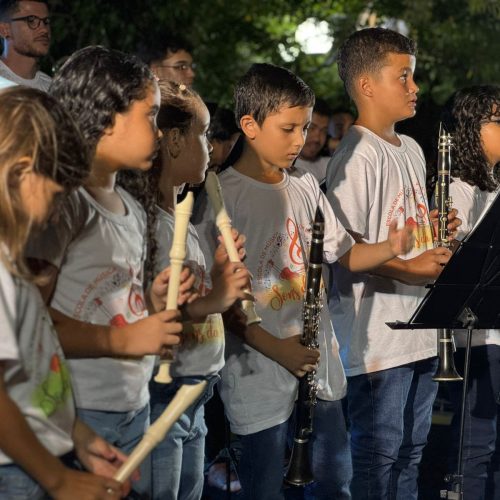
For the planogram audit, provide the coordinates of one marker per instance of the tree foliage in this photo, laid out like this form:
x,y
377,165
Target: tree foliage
x,y
458,41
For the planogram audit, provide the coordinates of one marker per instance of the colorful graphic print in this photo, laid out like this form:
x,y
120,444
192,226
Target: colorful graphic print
x,y
414,198
53,392
280,277
115,297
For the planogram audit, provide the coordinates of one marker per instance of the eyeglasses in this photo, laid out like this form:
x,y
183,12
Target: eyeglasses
x,y
33,21
179,67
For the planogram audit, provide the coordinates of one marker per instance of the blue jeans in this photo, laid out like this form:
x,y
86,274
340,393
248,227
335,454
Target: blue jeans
x,y
481,452
390,414
123,430
261,466
178,461
15,484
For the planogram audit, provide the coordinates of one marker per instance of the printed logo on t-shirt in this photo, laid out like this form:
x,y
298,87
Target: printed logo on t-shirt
x,y
281,275
55,389
212,330
200,282
115,297
412,200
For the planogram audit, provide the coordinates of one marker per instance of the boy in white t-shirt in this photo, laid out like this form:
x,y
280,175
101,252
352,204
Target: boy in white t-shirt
x,y
275,211
377,177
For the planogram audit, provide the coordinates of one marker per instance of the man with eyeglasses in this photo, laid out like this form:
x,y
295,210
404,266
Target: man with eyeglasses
x,y
170,59
25,32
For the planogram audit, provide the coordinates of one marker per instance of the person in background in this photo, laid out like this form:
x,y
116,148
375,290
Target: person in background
x,y
25,31
339,124
310,158
170,59
222,135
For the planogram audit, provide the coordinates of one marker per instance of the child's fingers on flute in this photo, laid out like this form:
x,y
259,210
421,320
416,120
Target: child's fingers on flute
x,y
188,279
187,291
148,335
239,243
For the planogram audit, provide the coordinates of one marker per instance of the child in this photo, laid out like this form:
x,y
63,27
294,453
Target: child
x,y
42,155
97,248
377,177
275,211
222,134
474,123
311,158
177,463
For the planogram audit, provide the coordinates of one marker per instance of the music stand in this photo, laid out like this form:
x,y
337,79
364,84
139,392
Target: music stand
x,y
465,295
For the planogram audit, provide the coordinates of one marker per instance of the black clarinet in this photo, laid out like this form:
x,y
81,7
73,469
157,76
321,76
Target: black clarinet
x,y
299,468
446,371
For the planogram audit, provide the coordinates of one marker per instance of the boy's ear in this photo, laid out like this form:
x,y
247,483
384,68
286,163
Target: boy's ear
x,y
175,142
249,126
4,30
364,86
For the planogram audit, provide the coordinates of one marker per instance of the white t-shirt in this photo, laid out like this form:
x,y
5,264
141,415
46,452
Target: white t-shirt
x,y
258,393
202,351
36,377
40,82
370,183
4,83
100,257
471,202
316,167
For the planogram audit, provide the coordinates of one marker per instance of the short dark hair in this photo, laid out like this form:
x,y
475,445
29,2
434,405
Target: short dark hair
x,y
321,107
157,48
366,51
265,88
222,125
9,7
463,116
96,83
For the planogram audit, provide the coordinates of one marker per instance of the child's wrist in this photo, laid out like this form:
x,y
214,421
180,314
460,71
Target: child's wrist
x,y
118,341
53,479
390,251
197,310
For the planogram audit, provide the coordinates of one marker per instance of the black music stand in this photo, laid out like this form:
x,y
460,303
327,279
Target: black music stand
x,y
465,295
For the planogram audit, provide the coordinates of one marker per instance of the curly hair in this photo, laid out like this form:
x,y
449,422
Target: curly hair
x,y
96,83
177,110
464,114
33,125
366,51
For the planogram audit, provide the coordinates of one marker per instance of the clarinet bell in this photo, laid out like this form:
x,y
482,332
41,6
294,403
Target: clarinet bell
x,y
299,472
446,371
